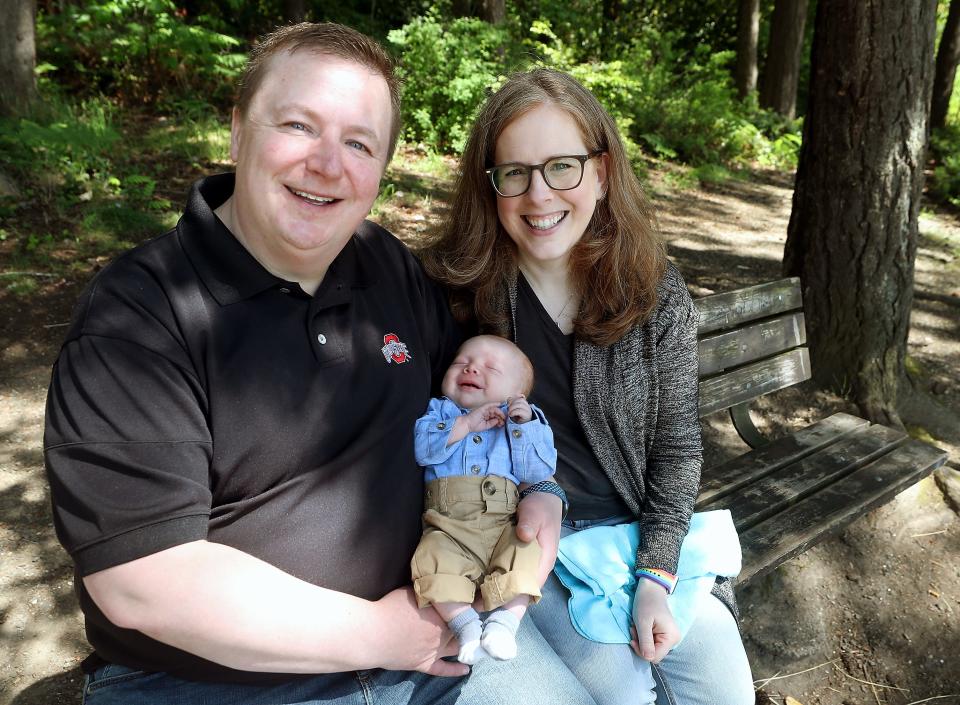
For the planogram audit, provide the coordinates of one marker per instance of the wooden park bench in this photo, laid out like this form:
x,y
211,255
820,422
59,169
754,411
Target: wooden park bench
x,y
790,493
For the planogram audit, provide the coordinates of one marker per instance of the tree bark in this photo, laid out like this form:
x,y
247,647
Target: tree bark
x,y
461,8
494,11
18,56
748,31
778,90
948,55
852,237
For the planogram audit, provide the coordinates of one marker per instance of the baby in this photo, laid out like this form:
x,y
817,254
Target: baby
x,y
479,445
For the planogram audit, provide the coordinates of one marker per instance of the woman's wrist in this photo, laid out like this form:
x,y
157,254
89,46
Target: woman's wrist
x,y
550,487
668,581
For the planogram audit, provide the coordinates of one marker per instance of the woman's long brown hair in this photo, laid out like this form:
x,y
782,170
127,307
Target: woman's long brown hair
x,y
616,265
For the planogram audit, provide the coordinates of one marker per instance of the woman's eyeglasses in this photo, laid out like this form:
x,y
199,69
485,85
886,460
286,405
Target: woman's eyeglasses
x,y
559,173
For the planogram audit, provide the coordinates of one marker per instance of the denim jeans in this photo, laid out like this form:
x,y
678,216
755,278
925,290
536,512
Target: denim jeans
x,y
709,667
536,677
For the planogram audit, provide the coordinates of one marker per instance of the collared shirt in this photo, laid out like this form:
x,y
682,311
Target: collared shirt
x,y
520,452
198,396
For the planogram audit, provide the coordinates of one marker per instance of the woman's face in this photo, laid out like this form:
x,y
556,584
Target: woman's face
x,y
546,224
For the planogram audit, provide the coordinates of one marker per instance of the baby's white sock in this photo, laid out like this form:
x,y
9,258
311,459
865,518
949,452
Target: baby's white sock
x,y
468,628
500,635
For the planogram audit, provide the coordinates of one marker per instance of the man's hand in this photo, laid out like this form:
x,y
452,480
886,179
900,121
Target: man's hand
x,y
538,517
416,639
519,410
654,631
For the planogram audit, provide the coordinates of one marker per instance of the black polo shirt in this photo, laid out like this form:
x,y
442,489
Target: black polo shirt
x,y
198,396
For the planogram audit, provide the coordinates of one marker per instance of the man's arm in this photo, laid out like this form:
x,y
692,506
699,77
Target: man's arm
x,y
236,610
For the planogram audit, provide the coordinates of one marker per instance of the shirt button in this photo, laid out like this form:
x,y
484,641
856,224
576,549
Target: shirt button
x,y
322,339
441,426
477,440
517,433
475,469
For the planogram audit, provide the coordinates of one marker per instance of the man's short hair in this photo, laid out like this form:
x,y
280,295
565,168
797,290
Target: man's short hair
x,y
324,38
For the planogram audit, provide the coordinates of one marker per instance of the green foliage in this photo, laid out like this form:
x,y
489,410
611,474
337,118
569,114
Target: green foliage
x,y
944,183
63,156
89,179
679,106
138,51
447,69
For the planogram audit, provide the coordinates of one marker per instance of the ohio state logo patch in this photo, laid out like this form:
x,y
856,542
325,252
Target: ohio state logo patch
x,y
393,350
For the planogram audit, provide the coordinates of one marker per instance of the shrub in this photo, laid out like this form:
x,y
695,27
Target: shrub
x,y
137,51
61,156
944,184
447,68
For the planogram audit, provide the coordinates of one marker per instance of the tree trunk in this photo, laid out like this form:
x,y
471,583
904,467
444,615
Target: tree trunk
x,y
852,237
948,55
494,11
18,56
294,10
461,8
778,90
748,30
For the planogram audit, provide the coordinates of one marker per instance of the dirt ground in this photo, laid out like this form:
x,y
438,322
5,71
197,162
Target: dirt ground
x,y
869,617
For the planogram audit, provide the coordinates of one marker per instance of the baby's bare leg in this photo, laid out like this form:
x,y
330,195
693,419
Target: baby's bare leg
x,y
464,622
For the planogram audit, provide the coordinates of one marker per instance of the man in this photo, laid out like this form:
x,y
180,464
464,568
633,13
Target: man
x,y
229,426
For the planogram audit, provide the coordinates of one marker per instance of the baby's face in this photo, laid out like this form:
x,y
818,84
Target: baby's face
x,y
483,371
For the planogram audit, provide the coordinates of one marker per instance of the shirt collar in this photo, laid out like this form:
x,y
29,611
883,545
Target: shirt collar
x,y
227,269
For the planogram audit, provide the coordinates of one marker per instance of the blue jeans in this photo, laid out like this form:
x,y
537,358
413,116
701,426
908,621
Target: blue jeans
x,y
536,677
709,667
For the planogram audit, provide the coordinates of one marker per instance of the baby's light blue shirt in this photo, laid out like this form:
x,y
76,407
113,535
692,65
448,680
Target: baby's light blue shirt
x,y
520,452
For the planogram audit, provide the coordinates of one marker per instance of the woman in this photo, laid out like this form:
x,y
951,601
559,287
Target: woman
x,y
551,243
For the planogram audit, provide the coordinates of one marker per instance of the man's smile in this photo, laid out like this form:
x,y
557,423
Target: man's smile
x,y
311,197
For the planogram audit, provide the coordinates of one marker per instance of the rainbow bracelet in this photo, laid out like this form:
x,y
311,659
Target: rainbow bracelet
x,y
668,581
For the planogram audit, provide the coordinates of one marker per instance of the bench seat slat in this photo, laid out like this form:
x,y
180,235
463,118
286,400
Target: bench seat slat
x,y
754,380
726,478
790,484
730,309
770,543
750,343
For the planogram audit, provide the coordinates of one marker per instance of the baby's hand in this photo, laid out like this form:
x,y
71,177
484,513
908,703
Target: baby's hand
x,y
519,409
485,417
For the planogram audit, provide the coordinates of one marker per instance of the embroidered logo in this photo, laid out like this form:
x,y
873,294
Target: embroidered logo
x,y
393,350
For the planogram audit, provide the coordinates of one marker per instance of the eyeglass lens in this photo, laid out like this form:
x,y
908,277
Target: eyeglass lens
x,y
561,174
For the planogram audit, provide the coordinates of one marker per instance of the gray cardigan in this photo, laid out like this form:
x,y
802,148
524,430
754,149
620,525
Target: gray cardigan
x,y
637,401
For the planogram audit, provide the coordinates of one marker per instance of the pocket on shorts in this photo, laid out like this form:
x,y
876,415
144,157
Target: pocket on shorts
x,y
110,675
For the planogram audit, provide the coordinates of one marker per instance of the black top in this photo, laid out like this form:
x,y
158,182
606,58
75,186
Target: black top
x,y
198,396
589,491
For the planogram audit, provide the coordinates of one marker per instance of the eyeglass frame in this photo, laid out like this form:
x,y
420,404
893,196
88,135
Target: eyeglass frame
x,y
582,158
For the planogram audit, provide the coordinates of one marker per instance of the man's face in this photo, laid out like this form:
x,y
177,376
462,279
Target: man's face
x,y
310,152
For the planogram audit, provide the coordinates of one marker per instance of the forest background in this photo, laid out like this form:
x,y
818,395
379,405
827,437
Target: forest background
x,y
129,102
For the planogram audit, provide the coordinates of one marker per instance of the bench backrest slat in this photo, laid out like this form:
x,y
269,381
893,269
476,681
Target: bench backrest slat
x,y
752,342
733,308
755,380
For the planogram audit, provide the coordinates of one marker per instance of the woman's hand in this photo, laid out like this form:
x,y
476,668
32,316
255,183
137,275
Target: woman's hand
x,y
538,517
654,631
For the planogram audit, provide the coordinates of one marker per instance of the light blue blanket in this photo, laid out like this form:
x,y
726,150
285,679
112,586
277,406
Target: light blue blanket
x,y
597,566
